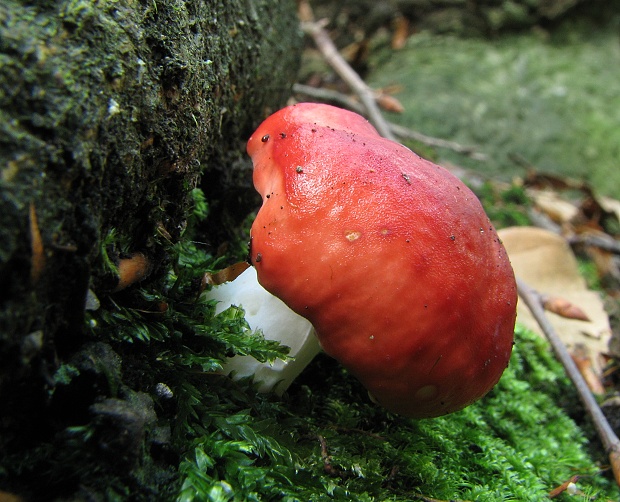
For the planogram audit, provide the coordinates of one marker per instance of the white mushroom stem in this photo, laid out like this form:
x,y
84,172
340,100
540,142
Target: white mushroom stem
x,y
266,313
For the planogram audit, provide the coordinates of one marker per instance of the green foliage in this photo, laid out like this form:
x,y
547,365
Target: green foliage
x,y
505,207
516,444
200,208
218,440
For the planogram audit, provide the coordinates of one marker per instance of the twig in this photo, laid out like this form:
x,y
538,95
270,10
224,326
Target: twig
x,y
607,435
325,45
398,130
327,460
601,241
329,95
405,132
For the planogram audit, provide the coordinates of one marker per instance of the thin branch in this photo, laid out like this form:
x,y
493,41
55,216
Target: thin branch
x,y
325,45
405,132
398,130
601,241
608,437
331,96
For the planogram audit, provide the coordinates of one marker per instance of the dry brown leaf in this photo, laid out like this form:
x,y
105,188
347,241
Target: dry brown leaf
x,y
551,204
225,275
37,261
564,308
389,103
583,360
132,269
401,32
545,262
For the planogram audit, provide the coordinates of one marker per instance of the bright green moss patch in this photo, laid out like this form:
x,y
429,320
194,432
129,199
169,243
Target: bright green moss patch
x,y
516,444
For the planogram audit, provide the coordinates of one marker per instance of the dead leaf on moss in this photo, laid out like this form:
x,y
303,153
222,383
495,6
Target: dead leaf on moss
x,y
228,274
389,103
546,263
555,207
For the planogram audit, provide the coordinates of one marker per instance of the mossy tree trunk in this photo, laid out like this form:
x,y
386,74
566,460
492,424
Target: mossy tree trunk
x,y
111,112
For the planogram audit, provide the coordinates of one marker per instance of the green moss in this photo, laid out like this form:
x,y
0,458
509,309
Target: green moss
x,y
504,206
191,434
516,444
550,99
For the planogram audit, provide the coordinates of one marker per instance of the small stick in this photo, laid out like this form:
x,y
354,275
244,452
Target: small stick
x,y
405,132
325,45
602,241
37,261
606,433
324,94
327,460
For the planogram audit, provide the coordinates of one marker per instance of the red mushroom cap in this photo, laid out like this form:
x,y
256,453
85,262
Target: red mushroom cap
x,y
389,256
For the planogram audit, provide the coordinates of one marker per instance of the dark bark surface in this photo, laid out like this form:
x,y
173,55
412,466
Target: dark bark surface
x,y
110,113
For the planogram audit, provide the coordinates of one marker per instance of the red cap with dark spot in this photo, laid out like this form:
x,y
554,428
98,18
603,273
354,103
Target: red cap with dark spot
x,y
390,256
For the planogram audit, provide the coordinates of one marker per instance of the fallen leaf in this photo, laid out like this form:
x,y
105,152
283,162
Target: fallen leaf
x,y
225,275
545,261
550,203
583,361
389,103
132,269
401,32
564,308
37,262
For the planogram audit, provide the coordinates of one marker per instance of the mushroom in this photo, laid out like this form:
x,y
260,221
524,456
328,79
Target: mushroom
x,y
389,256
276,321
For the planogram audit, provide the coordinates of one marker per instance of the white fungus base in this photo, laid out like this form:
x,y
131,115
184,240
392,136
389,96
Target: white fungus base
x,y
265,312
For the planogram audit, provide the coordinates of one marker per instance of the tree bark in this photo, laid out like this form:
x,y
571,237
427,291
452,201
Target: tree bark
x,y
110,113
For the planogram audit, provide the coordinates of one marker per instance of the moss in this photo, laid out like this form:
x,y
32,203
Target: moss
x,y
505,206
546,99
175,429
113,111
